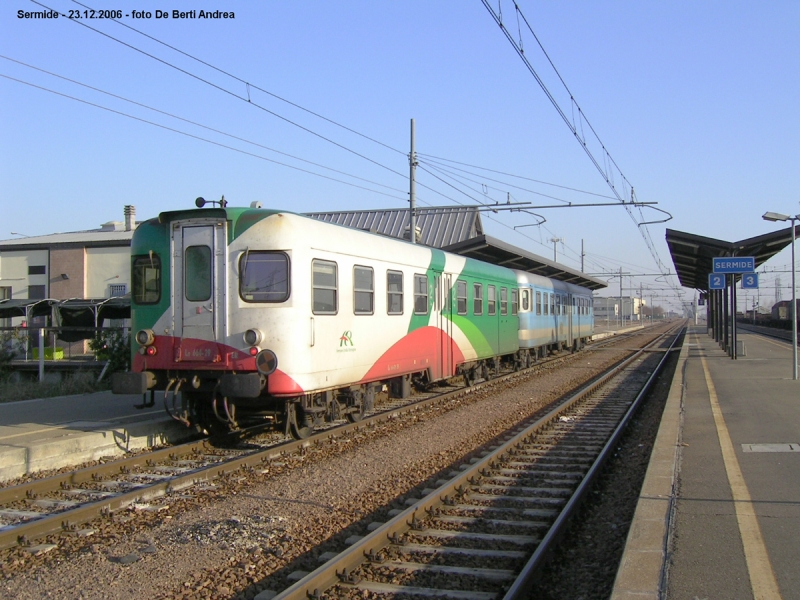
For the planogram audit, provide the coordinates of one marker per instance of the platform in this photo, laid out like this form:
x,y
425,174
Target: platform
x,y
52,433
719,511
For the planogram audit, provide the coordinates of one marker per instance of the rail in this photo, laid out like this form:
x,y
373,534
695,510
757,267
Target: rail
x,y
342,569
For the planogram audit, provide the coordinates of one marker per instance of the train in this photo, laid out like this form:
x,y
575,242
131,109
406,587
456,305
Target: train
x,y
245,315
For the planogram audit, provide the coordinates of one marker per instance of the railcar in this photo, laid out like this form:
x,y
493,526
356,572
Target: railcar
x,y
553,315
245,314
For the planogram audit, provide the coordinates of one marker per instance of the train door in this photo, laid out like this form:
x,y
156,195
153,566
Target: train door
x,y
570,309
199,286
444,321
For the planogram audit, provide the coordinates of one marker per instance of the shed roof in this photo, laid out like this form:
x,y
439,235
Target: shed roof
x,y
440,226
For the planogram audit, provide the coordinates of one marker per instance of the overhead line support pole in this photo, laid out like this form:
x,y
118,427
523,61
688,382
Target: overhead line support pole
x,y
412,192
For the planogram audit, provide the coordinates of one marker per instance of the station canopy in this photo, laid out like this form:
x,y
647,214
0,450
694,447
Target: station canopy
x,y
77,318
26,308
492,250
693,254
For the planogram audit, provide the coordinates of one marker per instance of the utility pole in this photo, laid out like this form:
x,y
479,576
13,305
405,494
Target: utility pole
x,y
555,241
582,255
621,305
412,192
641,303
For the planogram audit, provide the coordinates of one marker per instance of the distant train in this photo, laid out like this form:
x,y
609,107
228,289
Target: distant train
x,y
248,313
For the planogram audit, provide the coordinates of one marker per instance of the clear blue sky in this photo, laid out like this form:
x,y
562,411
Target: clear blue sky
x,y
696,102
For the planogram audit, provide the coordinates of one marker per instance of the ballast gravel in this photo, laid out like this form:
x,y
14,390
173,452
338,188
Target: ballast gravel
x,y
250,532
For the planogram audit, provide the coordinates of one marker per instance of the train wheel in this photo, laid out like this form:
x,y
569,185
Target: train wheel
x,y
299,422
357,415
360,402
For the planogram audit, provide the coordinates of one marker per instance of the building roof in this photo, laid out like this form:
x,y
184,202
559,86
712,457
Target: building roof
x,y
492,250
105,236
692,254
440,226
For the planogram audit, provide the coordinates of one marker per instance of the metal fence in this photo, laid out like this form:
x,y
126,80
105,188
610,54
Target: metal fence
x,y
63,348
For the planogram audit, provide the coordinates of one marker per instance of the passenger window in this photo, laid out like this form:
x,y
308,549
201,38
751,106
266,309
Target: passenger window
x,y
503,301
514,302
491,300
394,292
363,291
197,273
477,299
146,279
420,295
552,303
538,303
325,290
264,277
461,297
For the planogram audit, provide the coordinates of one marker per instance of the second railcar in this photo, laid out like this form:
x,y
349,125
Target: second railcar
x,y
553,314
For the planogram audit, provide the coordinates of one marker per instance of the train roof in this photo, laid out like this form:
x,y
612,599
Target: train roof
x,y
549,283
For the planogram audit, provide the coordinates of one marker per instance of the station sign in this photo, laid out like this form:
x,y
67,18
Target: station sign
x,y
716,281
734,264
750,281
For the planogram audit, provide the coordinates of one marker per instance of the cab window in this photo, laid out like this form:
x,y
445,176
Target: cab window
x,y
146,279
264,276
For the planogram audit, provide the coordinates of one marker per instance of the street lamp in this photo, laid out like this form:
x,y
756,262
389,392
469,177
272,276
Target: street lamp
x,y
771,216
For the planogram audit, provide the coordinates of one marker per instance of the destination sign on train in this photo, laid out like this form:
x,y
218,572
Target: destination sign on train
x,y
734,264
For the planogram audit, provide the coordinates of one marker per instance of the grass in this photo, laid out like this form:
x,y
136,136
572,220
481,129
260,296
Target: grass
x,y
79,383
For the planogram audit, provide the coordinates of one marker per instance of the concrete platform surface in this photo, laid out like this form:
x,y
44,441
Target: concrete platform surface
x,y
52,433
719,511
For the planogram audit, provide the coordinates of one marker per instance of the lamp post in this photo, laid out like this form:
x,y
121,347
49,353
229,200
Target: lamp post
x,y
771,216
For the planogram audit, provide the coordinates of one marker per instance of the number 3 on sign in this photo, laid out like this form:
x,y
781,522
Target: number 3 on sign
x,y
716,281
750,281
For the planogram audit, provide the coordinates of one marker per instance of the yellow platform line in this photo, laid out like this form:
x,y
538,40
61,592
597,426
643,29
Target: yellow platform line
x,y
762,577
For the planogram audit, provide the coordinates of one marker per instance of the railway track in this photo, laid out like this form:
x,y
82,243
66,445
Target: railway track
x,y
484,533
64,503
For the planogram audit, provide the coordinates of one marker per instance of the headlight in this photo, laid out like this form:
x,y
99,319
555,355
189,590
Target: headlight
x,y
145,337
253,337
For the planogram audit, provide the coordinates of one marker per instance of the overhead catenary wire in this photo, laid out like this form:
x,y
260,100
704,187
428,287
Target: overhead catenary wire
x,y
248,100
252,85
433,158
607,159
196,137
241,139
446,169
229,92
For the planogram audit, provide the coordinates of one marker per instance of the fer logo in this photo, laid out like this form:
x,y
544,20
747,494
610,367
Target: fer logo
x,y
346,339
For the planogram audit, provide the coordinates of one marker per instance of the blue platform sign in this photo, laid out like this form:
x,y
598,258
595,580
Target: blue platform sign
x,y
734,264
750,281
716,281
